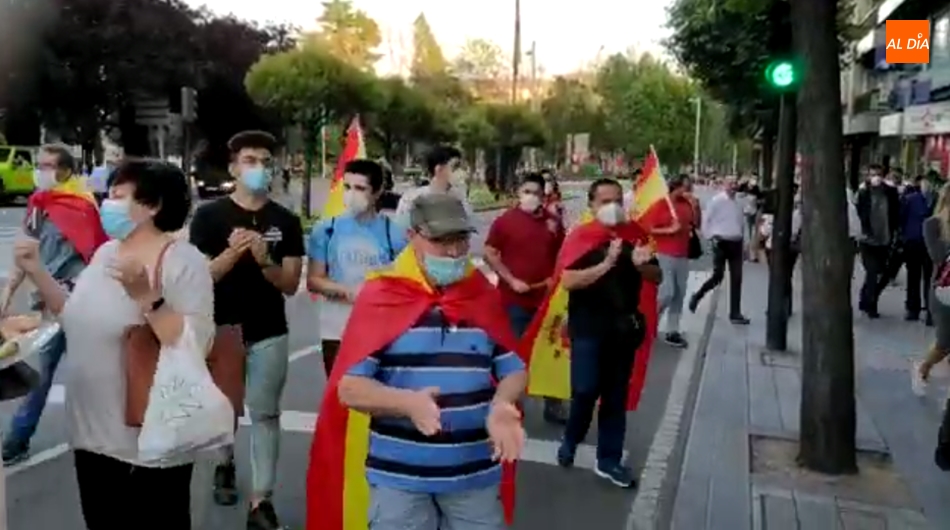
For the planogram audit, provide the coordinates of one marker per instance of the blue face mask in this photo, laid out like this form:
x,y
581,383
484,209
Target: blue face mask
x,y
256,179
114,214
444,271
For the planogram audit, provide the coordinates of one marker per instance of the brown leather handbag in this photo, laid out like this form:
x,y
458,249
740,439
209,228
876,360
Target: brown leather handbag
x,y
225,361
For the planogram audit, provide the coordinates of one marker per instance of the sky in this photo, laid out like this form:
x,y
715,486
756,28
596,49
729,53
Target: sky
x,y
566,37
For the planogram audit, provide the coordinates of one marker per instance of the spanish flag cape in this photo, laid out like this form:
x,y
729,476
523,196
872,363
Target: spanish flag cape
x,y
73,210
389,303
546,345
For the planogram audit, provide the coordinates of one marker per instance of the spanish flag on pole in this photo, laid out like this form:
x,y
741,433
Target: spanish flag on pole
x,y
650,189
389,303
546,343
353,148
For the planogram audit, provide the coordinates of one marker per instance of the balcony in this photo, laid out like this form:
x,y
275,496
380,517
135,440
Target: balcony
x,y
868,101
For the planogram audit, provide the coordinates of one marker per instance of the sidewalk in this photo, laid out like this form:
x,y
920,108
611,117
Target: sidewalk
x,y
739,468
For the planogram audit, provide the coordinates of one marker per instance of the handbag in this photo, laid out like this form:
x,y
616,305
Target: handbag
x,y
17,380
141,348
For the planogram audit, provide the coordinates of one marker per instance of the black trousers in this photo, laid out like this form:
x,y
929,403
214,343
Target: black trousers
x,y
726,253
919,271
874,259
116,495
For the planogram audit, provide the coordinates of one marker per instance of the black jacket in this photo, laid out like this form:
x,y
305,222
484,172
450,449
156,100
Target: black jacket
x,y
893,209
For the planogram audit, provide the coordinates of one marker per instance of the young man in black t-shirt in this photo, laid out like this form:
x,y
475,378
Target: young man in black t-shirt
x,y
606,328
256,247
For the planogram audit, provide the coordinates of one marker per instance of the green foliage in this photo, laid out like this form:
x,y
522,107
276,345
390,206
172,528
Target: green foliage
x,y
403,115
348,33
310,85
427,58
516,126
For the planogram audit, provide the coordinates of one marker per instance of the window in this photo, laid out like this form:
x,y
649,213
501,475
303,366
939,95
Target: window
x,y
4,154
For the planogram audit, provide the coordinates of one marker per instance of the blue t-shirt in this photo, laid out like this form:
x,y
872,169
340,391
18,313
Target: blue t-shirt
x,y
350,249
461,362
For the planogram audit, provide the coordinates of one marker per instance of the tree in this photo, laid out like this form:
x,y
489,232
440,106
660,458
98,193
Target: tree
x,y
571,107
474,132
349,33
480,64
515,127
827,415
402,116
427,57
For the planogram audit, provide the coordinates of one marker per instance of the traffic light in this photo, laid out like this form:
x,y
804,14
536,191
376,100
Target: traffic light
x,y
782,75
189,104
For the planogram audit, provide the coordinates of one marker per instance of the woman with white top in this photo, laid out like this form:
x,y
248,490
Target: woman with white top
x,y
147,202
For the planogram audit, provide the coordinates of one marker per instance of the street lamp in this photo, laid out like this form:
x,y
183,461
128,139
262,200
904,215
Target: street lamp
x,y
699,120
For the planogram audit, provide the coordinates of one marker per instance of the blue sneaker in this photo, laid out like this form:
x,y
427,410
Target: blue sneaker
x,y
565,455
617,474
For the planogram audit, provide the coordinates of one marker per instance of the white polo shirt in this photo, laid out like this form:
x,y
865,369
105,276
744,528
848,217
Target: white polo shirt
x,y
723,218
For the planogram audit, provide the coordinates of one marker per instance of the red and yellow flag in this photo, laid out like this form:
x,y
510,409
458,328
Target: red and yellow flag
x,y
650,188
73,210
389,303
353,148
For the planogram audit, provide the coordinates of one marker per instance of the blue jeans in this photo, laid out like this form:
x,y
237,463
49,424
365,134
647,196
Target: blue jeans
x,y
267,363
600,369
27,416
520,319
391,509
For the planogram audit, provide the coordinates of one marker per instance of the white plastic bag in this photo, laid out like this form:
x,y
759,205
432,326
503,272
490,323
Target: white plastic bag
x,y
186,411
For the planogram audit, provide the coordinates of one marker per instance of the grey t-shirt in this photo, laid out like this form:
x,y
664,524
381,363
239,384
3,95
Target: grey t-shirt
x,y
95,318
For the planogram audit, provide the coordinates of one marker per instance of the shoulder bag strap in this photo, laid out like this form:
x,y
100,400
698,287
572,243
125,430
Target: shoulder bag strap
x,y
157,272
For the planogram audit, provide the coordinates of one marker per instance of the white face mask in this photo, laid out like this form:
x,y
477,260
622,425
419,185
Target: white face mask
x,y
548,188
44,179
356,202
610,214
875,180
529,202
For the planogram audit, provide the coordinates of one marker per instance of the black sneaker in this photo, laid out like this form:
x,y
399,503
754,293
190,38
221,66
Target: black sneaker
x,y
15,452
929,319
675,340
617,474
225,485
739,320
263,517
693,303
565,455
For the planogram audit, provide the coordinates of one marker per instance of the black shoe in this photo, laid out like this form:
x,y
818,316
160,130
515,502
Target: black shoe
x,y
912,316
263,517
225,485
693,303
15,452
617,474
872,313
565,455
739,320
929,320
554,412
675,340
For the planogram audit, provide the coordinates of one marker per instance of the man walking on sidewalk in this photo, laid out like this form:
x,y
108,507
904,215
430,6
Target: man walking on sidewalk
x,y
724,224
878,206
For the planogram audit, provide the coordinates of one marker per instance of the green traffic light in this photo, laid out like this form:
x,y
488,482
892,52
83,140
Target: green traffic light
x,y
781,74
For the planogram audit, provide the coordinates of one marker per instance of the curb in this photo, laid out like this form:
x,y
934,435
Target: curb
x,y
659,476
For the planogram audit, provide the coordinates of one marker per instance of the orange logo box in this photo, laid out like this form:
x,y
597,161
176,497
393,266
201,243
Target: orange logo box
x,y
908,41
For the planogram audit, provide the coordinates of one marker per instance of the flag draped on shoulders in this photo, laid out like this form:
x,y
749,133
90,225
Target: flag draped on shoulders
x,y
73,210
546,346
390,302
353,149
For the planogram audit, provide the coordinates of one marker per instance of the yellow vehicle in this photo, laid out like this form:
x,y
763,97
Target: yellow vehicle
x,y
16,171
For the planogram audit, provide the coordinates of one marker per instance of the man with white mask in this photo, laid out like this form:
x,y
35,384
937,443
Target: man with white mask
x,y
522,247
343,249
605,264
442,164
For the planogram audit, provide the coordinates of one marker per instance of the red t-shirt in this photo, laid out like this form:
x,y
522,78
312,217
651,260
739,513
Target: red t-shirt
x,y
528,245
661,216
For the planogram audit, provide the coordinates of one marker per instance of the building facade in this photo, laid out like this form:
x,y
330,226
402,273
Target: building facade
x,y
898,115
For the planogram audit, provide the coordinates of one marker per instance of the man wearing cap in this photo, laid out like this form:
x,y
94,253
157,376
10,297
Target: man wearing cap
x,y
427,341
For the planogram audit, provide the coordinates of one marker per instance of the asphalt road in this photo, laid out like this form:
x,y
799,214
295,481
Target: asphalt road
x,y
41,492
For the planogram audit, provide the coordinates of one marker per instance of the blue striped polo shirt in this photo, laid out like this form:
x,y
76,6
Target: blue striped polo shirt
x,y
461,362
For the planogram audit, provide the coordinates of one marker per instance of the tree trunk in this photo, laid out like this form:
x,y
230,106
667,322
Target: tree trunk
x,y
827,416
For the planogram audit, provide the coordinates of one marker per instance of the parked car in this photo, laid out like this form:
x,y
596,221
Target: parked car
x,y
16,171
213,183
